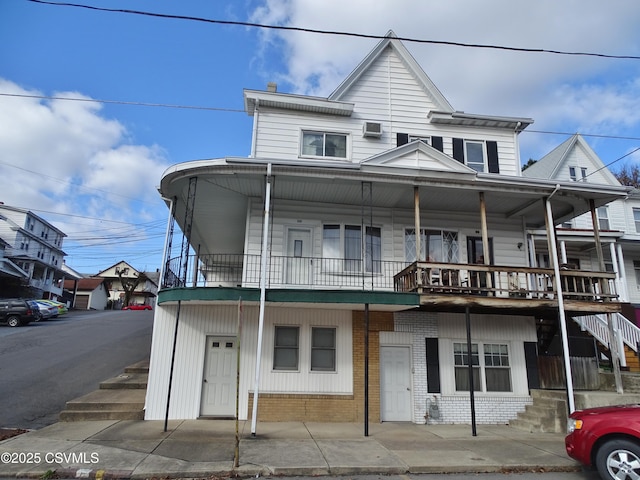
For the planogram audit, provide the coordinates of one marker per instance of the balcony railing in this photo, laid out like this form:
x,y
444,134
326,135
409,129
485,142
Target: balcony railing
x,y
230,270
504,281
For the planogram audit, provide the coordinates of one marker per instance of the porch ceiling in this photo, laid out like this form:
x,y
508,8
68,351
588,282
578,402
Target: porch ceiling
x,y
223,191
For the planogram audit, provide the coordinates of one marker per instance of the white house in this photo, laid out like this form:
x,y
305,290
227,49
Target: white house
x,y
144,292
370,256
35,246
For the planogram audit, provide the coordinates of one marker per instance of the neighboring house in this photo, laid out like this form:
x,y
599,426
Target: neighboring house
x,y
367,237
12,277
35,246
88,293
144,293
618,227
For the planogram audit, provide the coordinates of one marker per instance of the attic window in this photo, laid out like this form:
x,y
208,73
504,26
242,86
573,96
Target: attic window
x,y
574,175
323,144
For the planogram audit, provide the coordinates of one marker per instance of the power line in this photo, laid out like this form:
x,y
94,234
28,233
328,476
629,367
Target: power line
x,y
330,32
616,137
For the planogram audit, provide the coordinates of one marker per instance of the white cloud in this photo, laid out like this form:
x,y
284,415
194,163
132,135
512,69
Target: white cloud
x,y
67,157
574,91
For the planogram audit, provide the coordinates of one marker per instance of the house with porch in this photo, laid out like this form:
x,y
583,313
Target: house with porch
x,y
121,275
368,261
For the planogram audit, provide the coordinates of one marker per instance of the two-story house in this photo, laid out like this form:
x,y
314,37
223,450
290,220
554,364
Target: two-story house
x,y
143,286
35,246
368,260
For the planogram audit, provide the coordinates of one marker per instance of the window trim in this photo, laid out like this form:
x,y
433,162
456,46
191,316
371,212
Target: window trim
x,y
602,215
334,349
288,347
324,134
482,366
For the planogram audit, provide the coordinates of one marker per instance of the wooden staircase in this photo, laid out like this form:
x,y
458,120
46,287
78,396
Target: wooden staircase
x,y
119,398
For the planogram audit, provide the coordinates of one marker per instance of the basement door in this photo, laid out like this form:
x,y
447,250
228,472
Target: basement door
x,y
395,384
219,382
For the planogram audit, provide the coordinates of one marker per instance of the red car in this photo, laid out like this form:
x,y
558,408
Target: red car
x,y
607,438
137,307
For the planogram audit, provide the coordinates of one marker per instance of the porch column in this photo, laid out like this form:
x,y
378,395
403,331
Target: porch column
x,y
616,270
553,258
188,223
263,290
485,238
596,234
563,251
416,221
624,291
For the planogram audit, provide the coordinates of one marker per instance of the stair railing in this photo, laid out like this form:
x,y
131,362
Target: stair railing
x,y
625,331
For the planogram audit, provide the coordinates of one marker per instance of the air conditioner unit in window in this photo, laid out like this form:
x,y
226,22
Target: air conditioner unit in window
x,y
372,129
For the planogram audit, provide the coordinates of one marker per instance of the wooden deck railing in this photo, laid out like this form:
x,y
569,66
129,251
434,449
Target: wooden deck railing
x,y
504,281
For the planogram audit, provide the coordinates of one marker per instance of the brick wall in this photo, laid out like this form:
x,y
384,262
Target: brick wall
x,y
336,408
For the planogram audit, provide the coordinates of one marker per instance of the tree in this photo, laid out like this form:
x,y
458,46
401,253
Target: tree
x,y
528,164
129,284
629,175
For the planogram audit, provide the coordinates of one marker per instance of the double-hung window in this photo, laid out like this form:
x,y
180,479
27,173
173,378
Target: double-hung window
x,y
636,219
490,363
573,174
286,348
324,144
344,249
323,349
481,156
603,218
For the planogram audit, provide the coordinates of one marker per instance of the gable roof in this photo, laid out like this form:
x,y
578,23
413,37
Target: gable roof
x,y
85,284
391,41
551,165
419,156
121,263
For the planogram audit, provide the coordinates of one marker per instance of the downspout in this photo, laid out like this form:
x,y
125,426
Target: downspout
x,y
551,235
254,132
263,289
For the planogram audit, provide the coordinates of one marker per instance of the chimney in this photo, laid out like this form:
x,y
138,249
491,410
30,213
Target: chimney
x,y
272,87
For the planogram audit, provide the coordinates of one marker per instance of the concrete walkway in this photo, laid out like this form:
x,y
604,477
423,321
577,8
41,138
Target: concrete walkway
x,y
202,448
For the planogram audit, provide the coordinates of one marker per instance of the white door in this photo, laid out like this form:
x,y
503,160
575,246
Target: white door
x,y
219,382
395,384
298,268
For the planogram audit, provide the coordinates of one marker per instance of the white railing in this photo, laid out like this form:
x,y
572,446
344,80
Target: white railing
x,y
626,332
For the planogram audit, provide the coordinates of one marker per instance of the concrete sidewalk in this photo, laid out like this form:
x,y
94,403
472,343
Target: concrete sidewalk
x,y
203,448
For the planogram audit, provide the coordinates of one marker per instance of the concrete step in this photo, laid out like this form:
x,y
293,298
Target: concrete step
x,y
140,367
91,415
126,381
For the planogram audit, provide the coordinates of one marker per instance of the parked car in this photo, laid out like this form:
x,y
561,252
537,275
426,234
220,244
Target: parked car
x,y
137,307
607,438
45,311
17,311
62,308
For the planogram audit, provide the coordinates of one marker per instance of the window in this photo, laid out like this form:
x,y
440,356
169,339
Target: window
x,y
435,245
573,174
323,349
491,367
319,144
636,269
603,218
636,219
343,249
24,244
285,349
482,156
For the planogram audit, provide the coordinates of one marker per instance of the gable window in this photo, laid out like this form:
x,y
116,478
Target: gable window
x,y
285,348
323,349
323,144
343,249
482,156
491,367
603,218
435,142
573,174
435,245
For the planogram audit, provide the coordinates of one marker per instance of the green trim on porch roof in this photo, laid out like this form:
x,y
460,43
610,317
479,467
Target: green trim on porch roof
x,y
289,296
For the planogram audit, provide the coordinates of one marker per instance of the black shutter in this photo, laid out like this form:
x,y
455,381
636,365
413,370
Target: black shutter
x,y
433,366
458,149
492,157
436,142
401,139
531,361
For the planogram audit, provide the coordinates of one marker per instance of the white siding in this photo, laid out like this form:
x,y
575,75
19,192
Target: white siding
x,y
198,321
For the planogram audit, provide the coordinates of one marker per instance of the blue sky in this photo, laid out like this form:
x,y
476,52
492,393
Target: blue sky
x,y
92,168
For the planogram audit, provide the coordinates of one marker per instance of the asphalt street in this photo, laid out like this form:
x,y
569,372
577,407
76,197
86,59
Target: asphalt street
x,y
45,364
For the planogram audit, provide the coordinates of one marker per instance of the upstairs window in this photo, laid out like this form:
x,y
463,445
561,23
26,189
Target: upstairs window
x,y
343,249
576,174
323,144
481,156
636,219
603,218
435,245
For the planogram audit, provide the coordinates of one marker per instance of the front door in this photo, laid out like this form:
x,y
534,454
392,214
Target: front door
x,y
219,382
298,267
395,384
